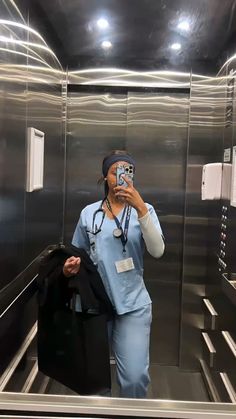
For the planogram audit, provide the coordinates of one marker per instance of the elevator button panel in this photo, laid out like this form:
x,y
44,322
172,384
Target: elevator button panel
x,y
223,236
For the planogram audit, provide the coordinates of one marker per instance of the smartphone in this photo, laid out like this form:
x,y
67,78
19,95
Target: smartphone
x,y
127,170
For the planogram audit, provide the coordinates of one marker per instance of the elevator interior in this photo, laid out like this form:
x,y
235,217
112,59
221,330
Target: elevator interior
x,y
164,90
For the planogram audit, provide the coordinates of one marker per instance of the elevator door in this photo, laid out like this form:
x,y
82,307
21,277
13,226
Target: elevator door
x,y
157,127
96,124
153,127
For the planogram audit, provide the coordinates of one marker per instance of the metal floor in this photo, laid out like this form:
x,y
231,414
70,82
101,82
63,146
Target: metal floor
x,y
166,383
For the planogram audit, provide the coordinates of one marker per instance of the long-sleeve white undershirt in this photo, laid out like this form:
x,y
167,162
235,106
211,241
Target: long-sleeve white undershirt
x,y
152,236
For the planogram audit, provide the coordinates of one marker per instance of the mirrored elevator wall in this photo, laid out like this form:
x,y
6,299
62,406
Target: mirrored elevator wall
x,y
220,327
171,136
30,96
204,146
153,126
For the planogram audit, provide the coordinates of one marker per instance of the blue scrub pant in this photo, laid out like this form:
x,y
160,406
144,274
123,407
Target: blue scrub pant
x,y
129,336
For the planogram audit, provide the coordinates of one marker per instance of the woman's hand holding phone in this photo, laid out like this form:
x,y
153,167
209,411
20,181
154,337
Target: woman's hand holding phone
x,y
131,196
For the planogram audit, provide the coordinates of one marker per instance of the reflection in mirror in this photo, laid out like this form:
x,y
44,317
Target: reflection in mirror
x,y
143,305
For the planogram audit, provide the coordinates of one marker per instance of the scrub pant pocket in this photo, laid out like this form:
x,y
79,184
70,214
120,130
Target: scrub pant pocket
x,y
130,337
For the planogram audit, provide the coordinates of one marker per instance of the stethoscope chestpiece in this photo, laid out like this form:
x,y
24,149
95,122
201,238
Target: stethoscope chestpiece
x,y
117,233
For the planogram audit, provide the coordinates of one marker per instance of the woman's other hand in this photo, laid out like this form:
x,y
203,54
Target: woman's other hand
x,y
132,197
71,266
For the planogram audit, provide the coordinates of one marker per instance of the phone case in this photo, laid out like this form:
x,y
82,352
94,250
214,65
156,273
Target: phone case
x,y
128,171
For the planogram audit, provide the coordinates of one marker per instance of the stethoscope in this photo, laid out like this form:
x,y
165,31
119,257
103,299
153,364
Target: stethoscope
x,y
117,232
95,229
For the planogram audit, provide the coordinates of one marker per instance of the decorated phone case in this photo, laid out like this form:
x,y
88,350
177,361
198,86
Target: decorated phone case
x,y
127,170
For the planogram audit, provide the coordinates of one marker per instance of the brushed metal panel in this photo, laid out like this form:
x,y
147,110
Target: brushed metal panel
x,y
44,208
220,282
31,79
96,125
12,146
231,228
43,212
204,146
157,126
121,77
30,94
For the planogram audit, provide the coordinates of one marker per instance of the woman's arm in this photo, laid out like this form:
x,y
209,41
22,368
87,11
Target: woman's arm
x,y
152,233
147,217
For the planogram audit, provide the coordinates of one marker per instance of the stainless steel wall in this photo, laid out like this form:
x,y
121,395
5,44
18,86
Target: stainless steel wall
x,y
96,124
153,127
30,95
157,129
219,326
204,146
12,149
44,209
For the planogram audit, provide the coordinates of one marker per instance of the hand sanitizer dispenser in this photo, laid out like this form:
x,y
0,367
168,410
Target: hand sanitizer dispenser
x,y
212,181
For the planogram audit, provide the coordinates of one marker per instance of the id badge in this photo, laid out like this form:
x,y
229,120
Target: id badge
x,y
124,265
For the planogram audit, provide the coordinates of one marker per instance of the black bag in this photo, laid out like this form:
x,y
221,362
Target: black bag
x,y
72,347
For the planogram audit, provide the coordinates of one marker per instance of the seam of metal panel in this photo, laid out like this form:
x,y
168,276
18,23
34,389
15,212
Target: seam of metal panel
x,y
184,227
64,116
72,88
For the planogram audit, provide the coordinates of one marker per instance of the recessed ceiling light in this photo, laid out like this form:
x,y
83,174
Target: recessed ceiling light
x,y
102,23
106,44
176,46
184,25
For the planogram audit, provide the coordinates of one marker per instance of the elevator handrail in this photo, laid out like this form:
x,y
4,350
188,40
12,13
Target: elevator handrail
x,y
9,371
68,406
24,282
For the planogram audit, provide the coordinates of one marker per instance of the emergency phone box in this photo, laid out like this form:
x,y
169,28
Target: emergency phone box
x,y
212,181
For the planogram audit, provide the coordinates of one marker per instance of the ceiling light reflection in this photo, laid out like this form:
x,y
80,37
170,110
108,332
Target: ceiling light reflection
x,y
184,25
102,23
106,44
176,46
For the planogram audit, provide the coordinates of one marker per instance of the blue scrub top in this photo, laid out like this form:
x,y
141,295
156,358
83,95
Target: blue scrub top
x,y
126,290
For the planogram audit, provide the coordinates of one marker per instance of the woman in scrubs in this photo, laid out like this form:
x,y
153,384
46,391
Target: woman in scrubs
x,y
114,232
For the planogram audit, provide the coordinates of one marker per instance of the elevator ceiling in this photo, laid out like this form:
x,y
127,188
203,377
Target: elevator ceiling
x,y
140,34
